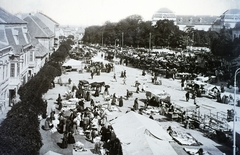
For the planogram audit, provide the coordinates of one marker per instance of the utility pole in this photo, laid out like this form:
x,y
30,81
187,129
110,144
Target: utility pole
x,y
102,39
150,39
122,39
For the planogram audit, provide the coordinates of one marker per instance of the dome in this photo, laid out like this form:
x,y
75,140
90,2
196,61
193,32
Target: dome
x,y
164,13
232,11
237,26
164,10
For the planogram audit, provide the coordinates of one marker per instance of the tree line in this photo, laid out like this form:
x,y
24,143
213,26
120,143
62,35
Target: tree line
x,y
20,130
134,32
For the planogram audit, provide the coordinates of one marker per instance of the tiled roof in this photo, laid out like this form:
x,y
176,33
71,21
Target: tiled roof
x,y
232,11
164,10
22,42
217,21
40,50
195,20
7,18
37,28
43,26
3,38
3,46
237,26
47,17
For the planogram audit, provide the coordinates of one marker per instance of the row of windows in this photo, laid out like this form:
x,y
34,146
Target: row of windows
x,y
15,67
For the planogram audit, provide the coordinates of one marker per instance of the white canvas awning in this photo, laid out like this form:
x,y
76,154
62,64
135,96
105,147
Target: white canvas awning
x,y
52,153
141,135
75,64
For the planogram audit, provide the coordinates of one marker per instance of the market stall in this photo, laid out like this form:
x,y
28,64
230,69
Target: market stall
x,y
161,95
73,65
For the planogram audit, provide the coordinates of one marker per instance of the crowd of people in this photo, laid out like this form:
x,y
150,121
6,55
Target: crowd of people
x,y
92,121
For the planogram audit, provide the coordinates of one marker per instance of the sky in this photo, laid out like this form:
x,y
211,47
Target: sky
x,y
97,12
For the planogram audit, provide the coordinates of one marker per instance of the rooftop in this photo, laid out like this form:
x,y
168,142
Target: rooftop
x,y
195,20
37,28
7,18
232,11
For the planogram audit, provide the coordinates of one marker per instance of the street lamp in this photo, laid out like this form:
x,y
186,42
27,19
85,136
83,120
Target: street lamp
x,y
234,108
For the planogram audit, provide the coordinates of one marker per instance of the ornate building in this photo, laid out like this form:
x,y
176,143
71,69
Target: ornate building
x,y
199,22
15,55
163,13
227,20
236,31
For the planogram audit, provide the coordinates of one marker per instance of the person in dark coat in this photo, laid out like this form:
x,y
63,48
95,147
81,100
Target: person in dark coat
x,y
64,143
103,133
114,100
108,134
120,101
48,124
92,103
115,147
187,96
135,105
71,139
88,96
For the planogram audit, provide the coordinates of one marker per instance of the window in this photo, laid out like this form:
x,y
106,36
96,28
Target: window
x,y
15,36
3,72
12,70
18,69
25,34
31,56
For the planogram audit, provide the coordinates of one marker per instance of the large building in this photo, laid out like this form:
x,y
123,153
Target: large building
x,y
236,31
163,13
227,20
198,22
15,55
25,44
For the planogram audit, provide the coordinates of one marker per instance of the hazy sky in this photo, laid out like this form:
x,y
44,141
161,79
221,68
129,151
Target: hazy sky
x,y
97,12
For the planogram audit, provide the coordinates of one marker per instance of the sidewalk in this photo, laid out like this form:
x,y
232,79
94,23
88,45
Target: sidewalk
x,y
3,113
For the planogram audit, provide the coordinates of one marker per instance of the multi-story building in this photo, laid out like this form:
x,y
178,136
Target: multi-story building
x,y
52,25
40,31
42,38
15,55
198,22
236,31
25,44
164,13
227,20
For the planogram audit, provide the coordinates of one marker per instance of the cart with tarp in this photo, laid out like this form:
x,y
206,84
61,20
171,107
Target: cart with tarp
x,y
159,96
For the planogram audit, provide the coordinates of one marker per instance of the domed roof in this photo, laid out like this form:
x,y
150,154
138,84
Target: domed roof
x,y
232,11
237,26
164,10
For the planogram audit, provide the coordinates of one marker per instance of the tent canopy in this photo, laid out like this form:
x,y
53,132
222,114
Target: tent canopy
x,y
141,135
52,153
73,63
97,59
